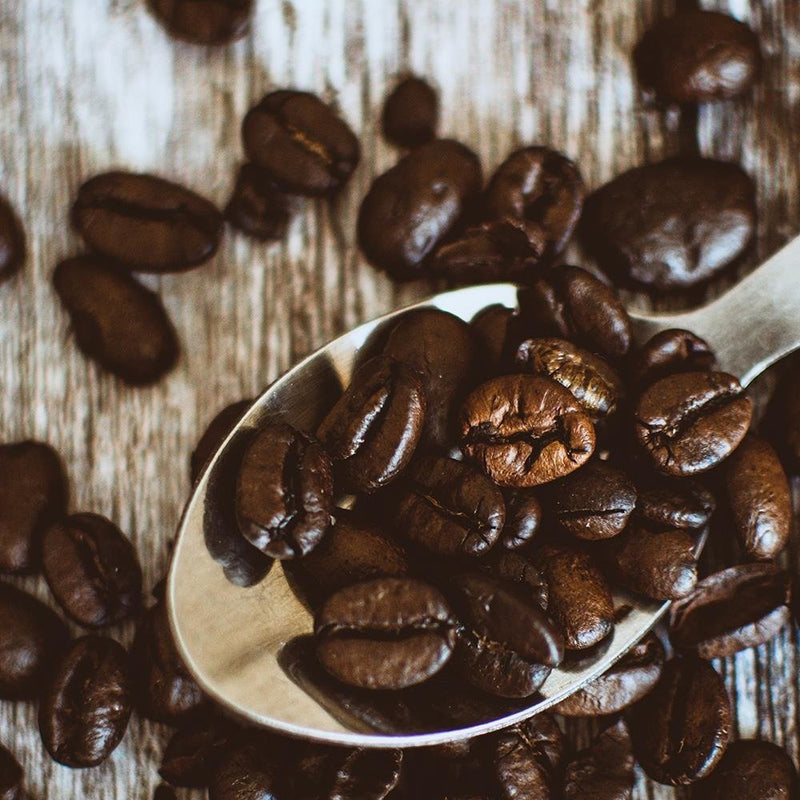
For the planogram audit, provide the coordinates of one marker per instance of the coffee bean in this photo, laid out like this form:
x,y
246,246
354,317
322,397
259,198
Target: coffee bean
x,y
782,422
215,434
12,241
760,498
92,570
686,505
429,775
690,422
251,769
193,753
11,776
491,328
698,56
117,321
284,493
732,610
625,683
450,507
604,770
33,493
416,205
517,568
387,633
258,206
525,430
411,113
372,431
304,145
146,223
164,792
31,638
86,706
681,729
523,519
203,21
671,239
668,352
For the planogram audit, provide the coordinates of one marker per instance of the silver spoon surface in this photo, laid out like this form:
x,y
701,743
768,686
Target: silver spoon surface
x,y
239,635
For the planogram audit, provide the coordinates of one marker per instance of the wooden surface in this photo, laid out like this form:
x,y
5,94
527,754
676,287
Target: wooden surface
x,y
87,85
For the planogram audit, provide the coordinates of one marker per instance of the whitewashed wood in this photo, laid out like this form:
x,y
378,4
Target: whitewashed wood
x,y
90,84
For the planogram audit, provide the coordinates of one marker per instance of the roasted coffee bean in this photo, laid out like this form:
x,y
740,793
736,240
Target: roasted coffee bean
x,y
685,505
92,570
387,633
593,503
570,303
251,769
214,435
146,223
284,493
671,239
523,519
450,507
372,431
681,729
12,241
31,638
604,770
193,753
671,351
33,493
782,422
11,776
751,770
491,328
692,421
85,709
525,430
580,600
519,569
411,113
117,321
413,207
304,145
591,380
698,56
732,610
440,347
625,683
203,21
258,206
760,498
164,792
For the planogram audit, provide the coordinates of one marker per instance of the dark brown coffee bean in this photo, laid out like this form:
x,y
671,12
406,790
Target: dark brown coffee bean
x,y
164,792
671,239
194,753
33,493
411,113
413,207
146,223
203,21
387,633
491,330
214,435
593,503
684,505
698,56
751,770
251,770
258,206
523,519
627,682
570,303
681,729
782,423
525,430
12,241
117,321
86,706
760,498
304,145
671,351
11,776
92,570
372,431
31,638
284,493
692,421
519,569
604,770
450,507
440,347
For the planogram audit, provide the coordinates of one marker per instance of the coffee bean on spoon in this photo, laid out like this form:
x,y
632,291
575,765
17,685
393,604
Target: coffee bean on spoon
x,y
211,22
671,351
411,113
214,435
682,505
12,241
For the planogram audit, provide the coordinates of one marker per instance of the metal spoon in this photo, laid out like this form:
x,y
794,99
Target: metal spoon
x,y
232,637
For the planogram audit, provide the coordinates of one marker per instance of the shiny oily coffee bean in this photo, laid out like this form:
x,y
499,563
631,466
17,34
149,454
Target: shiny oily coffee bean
x,y
92,570
671,351
251,769
411,113
604,770
411,209
698,56
690,422
117,321
683,505
388,633
215,434
11,776
284,492
673,239
372,431
304,145
258,206
492,328
194,752
595,502
681,729
516,568
33,493
146,223
525,430
12,241
760,499
732,610
203,21
85,709
523,519
751,770
625,683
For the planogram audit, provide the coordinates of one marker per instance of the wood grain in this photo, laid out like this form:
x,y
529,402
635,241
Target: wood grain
x,y
92,84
